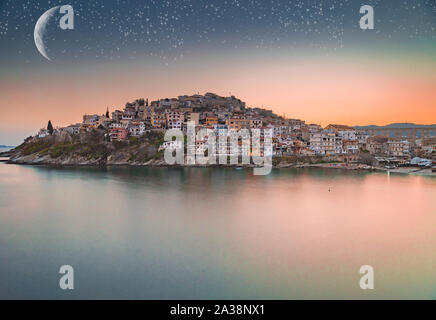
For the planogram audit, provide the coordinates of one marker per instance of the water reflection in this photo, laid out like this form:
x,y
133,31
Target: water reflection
x,y
215,233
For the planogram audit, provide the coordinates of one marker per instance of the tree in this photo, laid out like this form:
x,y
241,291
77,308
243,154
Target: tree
x,y
107,113
140,102
367,159
50,127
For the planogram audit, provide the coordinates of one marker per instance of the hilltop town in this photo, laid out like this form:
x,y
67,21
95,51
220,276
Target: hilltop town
x,y
135,134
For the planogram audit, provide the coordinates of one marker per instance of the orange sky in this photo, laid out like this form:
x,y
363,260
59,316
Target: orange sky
x,y
322,90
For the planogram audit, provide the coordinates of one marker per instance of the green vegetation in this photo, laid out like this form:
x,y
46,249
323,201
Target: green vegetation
x,y
155,138
58,150
50,127
118,145
133,140
306,159
96,151
158,155
321,161
93,146
35,147
140,102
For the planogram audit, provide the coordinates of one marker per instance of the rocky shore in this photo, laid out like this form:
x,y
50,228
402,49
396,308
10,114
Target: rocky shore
x,y
93,149
90,149
76,161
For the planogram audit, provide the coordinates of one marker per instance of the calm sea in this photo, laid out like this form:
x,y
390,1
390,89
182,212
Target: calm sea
x,y
215,233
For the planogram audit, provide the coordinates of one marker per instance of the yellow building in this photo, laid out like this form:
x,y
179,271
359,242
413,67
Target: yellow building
x,y
238,124
210,121
158,120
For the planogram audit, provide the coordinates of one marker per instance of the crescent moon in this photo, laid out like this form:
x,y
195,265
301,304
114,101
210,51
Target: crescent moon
x,y
40,27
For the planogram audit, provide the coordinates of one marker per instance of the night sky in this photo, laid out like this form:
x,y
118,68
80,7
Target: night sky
x,y
170,30
179,36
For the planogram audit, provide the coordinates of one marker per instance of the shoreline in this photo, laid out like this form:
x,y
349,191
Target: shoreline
x,y
35,159
159,164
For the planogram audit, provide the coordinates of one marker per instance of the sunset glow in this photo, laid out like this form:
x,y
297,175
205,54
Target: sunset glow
x,y
323,90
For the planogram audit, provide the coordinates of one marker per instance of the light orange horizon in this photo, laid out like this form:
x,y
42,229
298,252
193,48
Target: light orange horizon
x,y
318,91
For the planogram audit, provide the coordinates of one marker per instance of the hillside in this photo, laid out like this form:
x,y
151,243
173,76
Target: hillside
x,y
397,126
90,148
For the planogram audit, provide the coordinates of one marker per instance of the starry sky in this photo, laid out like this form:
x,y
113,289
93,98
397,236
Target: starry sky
x,y
305,59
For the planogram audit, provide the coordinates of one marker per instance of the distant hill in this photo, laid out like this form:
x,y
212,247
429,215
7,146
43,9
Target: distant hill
x,y
3,146
398,126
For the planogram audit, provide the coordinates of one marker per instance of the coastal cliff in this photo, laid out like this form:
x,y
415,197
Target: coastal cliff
x,y
93,148
90,148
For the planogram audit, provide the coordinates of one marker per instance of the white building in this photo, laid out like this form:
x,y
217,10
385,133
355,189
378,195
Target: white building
x,y
175,124
137,129
315,142
73,129
171,144
42,133
118,125
326,143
